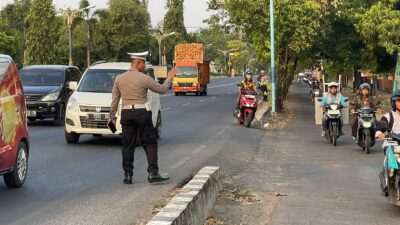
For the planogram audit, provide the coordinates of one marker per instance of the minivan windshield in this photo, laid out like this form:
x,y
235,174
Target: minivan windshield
x,y
99,80
42,77
3,67
186,71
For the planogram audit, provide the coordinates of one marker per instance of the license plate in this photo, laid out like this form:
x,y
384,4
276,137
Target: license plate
x,y
31,113
98,117
333,111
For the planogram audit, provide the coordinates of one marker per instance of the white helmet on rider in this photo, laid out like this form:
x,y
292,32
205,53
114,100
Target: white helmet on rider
x,y
333,84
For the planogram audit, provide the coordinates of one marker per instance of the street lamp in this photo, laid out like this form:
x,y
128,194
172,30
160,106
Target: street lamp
x,y
159,39
70,16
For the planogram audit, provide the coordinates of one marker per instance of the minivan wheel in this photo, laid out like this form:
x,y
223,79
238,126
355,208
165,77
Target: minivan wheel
x,y
72,138
158,126
17,177
60,119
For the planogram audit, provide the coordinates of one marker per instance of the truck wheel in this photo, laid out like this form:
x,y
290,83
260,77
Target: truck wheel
x,y
60,119
17,177
205,93
176,93
72,138
197,93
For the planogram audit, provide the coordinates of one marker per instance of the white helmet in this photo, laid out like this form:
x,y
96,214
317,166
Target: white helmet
x,y
333,84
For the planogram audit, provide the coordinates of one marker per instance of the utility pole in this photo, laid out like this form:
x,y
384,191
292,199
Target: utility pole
x,y
271,12
88,47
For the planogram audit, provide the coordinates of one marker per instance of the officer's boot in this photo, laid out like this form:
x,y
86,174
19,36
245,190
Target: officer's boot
x,y
128,178
157,178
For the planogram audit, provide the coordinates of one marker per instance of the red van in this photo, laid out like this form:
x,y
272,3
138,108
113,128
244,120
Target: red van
x,y
14,139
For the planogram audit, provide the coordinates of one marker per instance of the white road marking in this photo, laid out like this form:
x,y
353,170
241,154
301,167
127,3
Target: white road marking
x,y
202,100
167,95
214,97
222,85
199,149
187,103
166,109
180,162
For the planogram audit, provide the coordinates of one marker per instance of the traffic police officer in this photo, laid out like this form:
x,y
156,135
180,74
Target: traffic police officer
x,y
136,118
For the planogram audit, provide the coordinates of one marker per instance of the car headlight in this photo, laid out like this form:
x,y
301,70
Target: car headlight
x,y
72,105
367,124
175,84
194,84
51,97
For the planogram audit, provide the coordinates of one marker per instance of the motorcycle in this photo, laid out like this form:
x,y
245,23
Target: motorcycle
x,y
390,176
315,93
366,128
334,119
247,108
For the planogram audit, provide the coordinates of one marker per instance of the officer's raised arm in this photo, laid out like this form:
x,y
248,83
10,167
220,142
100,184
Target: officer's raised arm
x,y
116,96
157,87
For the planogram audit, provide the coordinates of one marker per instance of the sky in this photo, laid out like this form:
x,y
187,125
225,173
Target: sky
x,y
195,10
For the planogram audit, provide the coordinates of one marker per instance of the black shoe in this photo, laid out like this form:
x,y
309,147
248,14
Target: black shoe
x,y
128,178
157,178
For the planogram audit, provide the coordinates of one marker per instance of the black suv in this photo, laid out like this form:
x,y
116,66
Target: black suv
x,y
47,90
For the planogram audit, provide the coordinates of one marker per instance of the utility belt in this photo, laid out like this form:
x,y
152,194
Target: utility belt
x,y
138,106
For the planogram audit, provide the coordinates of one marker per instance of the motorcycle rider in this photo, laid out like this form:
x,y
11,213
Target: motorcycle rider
x,y
247,85
392,125
333,96
392,118
364,100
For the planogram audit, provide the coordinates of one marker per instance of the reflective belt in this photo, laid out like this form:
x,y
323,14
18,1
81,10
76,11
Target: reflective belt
x,y
138,106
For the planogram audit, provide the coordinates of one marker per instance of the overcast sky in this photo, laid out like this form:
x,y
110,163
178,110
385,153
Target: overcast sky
x,y
195,10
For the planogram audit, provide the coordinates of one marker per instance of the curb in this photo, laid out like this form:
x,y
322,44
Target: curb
x,y
193,205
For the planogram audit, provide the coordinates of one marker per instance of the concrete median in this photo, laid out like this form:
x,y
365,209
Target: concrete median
x,y
194,203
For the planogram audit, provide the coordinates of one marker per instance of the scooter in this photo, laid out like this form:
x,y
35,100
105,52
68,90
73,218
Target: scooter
x,y
315,93
247,108
366,129
390,176
334,119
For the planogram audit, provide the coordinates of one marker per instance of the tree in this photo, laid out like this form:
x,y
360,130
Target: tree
x,y
43,33
123,28
15,26
174,22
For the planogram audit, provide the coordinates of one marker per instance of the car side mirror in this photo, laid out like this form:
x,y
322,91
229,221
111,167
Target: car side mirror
x,y
73,85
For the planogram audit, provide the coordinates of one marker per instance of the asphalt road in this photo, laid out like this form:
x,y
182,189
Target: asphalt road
x,y
309,181
82,184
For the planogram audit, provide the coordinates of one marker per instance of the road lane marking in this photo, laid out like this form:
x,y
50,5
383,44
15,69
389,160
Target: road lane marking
x,y
187,103
199,149
166,109
214,97
222,85
180,162
202,100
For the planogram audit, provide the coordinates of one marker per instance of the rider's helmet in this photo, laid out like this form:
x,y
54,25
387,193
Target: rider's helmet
x,y
365,86
248,74
394,98
333,84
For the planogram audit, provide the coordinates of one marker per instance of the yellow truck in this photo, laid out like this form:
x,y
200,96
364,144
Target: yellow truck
x,y
192,73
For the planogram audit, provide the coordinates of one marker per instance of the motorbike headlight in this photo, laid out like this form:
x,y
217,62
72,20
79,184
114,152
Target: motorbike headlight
x,y
367,124
73,105
51,97
334,107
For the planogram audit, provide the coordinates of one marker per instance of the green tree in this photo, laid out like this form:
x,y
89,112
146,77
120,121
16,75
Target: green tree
x,y
15,25
123,28
43,33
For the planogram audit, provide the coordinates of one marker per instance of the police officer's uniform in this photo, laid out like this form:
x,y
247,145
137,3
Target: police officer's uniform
x,y
136,118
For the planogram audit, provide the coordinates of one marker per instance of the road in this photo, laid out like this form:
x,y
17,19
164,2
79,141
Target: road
x,y
82,184
302,179
317,183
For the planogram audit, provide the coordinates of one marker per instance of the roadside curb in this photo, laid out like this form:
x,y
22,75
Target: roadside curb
x,y
195,202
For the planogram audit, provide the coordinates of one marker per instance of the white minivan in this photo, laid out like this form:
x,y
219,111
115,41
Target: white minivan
x,y
89,106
